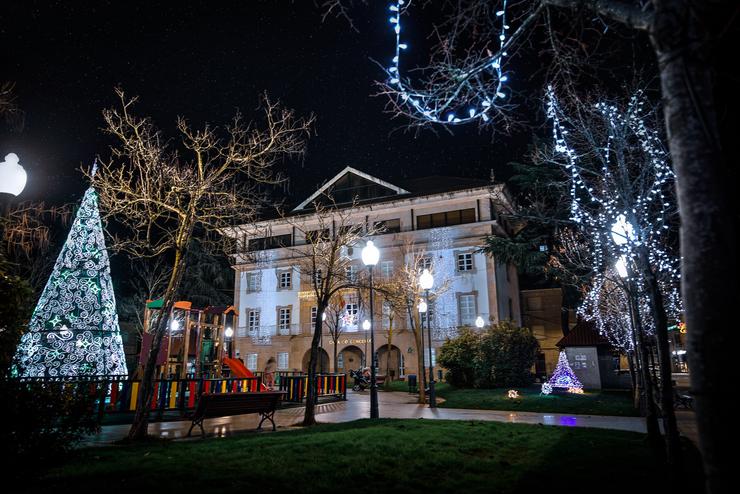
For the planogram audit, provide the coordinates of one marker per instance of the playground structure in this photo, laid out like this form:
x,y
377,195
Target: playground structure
x,y
196,343
194,359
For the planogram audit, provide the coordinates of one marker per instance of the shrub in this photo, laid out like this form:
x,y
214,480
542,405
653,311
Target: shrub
x,y
42,420
502,356
507,353
39,420
15,310
458,357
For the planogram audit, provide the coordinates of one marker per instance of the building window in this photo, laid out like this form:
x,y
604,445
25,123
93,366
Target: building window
x,y
447,218
466,309
284,319
318,277
387,312
283,360
350,316
253,320
425,263
270,242
252,361
254,282
349,231
386,269
388,226
315,236
465,261
285,280
351,272
340,360
314,315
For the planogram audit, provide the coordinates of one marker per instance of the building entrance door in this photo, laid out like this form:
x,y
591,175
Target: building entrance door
x,y
389,362
350,358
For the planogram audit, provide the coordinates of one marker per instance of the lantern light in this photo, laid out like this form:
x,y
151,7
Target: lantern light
x,y
370,254
12,175
426,280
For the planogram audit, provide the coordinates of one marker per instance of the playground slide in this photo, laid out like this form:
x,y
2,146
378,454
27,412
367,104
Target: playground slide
x,y
238,369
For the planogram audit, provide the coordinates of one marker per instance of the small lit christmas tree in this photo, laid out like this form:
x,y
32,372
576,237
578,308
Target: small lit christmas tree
x,y
563,377
74,328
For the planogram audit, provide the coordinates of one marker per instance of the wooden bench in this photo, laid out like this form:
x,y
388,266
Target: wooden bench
x,y
226,404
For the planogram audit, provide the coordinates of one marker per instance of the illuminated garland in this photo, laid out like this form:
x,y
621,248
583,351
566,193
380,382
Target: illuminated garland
x,y
435,108
74,330
619,219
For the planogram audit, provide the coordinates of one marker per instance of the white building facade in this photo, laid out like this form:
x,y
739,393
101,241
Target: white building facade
x,y
445,218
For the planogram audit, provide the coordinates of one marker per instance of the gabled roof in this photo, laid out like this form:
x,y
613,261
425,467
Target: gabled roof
x,y
583,334
392,189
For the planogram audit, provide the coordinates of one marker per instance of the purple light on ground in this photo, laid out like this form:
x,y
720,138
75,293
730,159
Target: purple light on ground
x,y
569,421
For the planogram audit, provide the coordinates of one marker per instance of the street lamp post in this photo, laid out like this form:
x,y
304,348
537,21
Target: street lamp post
x,y
321,343
370,257
426,281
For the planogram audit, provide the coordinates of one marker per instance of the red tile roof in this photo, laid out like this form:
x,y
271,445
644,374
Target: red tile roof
x,y
583,334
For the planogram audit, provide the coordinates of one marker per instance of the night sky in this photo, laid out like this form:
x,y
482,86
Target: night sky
x,y
204,62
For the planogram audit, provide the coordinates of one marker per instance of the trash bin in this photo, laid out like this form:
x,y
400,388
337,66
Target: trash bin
x,y
411,378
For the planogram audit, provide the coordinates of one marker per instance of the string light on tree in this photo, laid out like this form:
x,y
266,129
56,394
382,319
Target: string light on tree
x,y
621,200
479,87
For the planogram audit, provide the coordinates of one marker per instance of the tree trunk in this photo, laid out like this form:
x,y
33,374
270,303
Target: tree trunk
x,y
336,359
309,417
387,382
673,440
704,179
139,427
634,380
651,416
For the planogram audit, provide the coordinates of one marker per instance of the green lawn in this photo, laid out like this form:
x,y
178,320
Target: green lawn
x,y
531,400
384,456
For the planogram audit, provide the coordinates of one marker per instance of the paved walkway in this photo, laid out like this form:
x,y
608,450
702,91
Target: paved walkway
x,y
357,406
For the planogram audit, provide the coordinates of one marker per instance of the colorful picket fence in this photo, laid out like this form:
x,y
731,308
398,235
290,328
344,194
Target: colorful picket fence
x,y
175,394
118,396
296,386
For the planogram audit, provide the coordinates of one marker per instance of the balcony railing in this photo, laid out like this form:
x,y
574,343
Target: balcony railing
x,y
263,335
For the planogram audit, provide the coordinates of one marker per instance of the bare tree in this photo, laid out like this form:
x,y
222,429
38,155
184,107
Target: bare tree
x,y
330,231
403,293
8,108
147,278
394,307
161,196
29,233
334,325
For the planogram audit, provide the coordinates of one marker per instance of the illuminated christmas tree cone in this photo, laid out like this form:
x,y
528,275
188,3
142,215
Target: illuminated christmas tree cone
x,y
563,378
74,329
